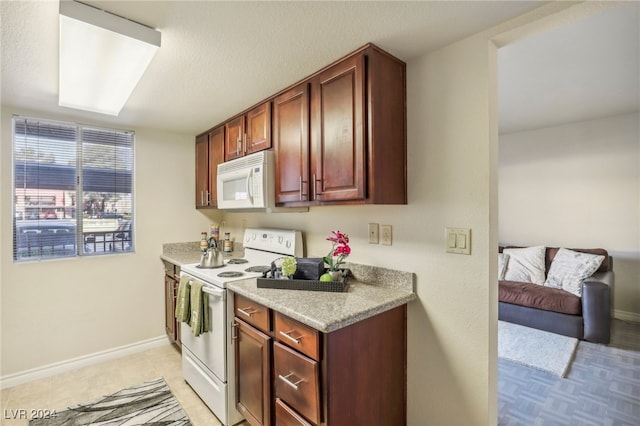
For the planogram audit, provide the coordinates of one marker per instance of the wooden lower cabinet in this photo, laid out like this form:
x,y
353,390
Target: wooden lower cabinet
x,y
253,374
355,375
286,416
171,325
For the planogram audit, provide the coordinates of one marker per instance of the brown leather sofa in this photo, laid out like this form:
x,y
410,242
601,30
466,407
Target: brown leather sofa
x,y
587,317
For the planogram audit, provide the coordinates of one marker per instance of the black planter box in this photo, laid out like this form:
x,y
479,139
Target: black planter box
x,y
308,268
311,285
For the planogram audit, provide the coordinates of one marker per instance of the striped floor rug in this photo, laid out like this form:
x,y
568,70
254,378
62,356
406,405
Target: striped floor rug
x,y
150,403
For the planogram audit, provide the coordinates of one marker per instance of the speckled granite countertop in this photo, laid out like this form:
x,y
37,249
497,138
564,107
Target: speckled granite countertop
x,y
371,291
184,253
181,253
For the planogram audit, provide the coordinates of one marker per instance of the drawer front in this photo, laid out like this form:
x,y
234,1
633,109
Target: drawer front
x,y
297,381
252,312
286,416
297,335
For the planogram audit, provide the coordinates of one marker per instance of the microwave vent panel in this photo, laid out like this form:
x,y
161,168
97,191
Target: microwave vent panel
x,y
257,159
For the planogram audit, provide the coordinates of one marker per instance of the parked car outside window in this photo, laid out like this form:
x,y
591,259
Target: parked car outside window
x,y
46,238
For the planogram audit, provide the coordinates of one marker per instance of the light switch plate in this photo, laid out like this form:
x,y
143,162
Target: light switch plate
x,y
373,233
458,240
385,235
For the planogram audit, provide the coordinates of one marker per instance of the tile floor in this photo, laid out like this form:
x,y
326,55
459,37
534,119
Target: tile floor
x,y
88,383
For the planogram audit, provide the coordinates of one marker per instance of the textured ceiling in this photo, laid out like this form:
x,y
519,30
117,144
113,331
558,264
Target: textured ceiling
x,y
589,68
218,58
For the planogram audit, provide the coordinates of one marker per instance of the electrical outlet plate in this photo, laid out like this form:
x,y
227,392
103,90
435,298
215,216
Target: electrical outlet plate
x,y
373,233
385,235
458,240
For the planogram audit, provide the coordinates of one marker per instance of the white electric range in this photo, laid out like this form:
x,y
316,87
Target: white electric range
x,y
208,362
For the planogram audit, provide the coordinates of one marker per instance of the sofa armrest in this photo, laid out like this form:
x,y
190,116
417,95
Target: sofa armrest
x,y
603,277
596,307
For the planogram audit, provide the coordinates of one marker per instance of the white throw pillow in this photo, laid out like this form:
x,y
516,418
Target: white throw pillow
x,y
525,264
503,260
569,268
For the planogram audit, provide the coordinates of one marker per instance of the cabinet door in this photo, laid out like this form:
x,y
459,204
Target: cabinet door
x,y
170,293
233,134
258,129
202,170
338,127
253,374
216,156
291,145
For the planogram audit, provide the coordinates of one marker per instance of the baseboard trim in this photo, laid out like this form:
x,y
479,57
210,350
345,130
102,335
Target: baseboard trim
x,y
26,376
626,316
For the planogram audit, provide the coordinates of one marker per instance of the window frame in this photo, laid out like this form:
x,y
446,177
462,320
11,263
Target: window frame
x,y
120,240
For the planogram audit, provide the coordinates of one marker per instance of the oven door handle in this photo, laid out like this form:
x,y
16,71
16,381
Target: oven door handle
x,y
213,292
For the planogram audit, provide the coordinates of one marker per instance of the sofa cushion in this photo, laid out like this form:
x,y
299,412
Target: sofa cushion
x,y
604,266
569,268
525,264
537,296
503,260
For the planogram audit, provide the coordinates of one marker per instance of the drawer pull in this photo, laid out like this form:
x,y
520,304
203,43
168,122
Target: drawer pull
x,y
287,334
248,311
289,382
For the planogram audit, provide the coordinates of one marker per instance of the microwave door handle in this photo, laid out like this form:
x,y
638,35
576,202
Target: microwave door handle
x,y
250,184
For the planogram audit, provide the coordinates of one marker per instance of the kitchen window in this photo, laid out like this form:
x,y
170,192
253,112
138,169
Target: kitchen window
x,y
73,190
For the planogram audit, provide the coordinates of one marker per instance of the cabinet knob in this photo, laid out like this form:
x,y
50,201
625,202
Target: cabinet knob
x,y
287,334
300,189
289,382
248,311
315,183
234,331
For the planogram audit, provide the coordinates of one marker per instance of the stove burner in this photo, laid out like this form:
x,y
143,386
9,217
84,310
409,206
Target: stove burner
x,y
237,261
258,268
209,267
230,274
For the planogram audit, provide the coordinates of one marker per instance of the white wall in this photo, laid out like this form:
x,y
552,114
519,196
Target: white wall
x,y
57,310
577,185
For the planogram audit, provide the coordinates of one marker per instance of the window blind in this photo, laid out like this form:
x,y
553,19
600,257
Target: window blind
x,y
73,192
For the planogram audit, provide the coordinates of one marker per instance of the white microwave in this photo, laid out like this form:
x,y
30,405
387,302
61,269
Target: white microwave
x,y
246,182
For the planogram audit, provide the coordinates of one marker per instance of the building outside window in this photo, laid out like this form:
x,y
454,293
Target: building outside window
x,y
73,190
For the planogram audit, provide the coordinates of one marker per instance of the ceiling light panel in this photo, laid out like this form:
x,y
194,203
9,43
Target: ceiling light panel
x,y
102,57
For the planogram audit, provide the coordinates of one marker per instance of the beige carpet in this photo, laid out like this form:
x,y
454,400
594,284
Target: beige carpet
x,y
536,348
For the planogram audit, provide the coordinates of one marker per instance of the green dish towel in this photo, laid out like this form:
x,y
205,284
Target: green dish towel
x,y
183,308
199,309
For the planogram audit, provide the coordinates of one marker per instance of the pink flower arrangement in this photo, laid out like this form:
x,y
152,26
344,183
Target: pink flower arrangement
x,y
339,250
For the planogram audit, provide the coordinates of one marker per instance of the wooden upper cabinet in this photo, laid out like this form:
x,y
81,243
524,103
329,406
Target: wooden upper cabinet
x,y
248,133
202,170
234,133
291,145
216,156
337,138
209,153
258,123
357,140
